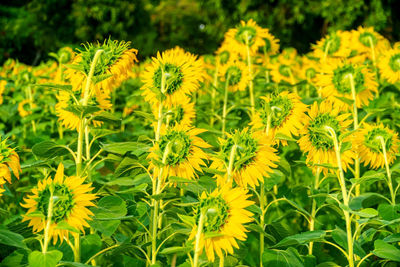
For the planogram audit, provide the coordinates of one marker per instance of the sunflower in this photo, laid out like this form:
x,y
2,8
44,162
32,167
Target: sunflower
x,y
113,66
225,54
1,185
182,114
335,44
284,69
3,84
254,158
389,65
67,103
238,74
170,78
24,108
335,83
316,142
247,34
9,159
224,215
71,198
181,149
283,113
364,39
368,145
271,44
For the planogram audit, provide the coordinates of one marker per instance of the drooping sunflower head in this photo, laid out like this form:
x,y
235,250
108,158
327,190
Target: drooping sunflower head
x,y
180,152
369,143
112,68
247,34
237,75
9,159
282,113
65,55
171,77
316,141
24,108
338,78
182,114
225,54
224,214
70,198
284,69
364,39
254,157
335,44
271,44
389,65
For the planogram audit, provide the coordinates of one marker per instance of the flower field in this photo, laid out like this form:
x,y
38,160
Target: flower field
x,y
256,155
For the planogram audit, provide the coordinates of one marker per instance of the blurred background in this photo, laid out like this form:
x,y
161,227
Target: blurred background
x,y
29,30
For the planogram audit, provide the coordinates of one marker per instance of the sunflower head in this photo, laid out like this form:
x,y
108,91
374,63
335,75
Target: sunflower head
x,y
224,215
25,108
9,159
271,44
336,44
69,198
65,55
364,39
237,75
389,65
370,141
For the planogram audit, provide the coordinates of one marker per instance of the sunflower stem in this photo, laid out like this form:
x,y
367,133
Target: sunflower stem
x,y
48,223
225,105
222,261
342,182
251,85
262,220
77,248
388,173
197,249
313,210
214,93
30,96
85,100
230,164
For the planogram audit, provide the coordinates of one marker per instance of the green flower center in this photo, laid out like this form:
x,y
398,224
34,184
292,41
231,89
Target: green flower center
x,y
310,73
246,150
112,53
373,142
244,32
284,70
173,78
216,212
366,37
62,202
64,55
394,62
279,108
318,135
175,115
332,43
179,147
224,57
235,75
341,79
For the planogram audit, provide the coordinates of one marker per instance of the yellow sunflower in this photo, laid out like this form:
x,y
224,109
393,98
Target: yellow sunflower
x,y
71,198
225,54
114,65
9,159
283,113
364,39
182,114
254,158
1,185
247,34
170,78
224,214
3,84
336,44
238,74
24,108
67,103
389,65
284,69
181,150
368,145
316,142
271,44
335,83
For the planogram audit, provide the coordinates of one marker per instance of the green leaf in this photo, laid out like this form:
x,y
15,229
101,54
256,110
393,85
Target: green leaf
x,y
48,259
302,238
11,239
175,179
348,101
175,250
63,225
123,147
369,177
60,87
110,207
386,251
49,149
99,78
282,258
107,117
146,115
90,245
284,137
389,212
82,111
189,220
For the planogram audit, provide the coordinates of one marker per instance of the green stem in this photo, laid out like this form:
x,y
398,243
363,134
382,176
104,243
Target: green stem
x,y
388,173
262,220
77,248
313,210
214,93
225,105
197,248
48,223
221,261
251,85
231,162
345,196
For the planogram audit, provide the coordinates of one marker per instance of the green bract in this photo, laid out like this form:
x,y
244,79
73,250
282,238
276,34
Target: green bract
x,y
278,108
235,75
394,62
244,32
179,144
173,78
215,210
371,139
63,202
318,134
341,79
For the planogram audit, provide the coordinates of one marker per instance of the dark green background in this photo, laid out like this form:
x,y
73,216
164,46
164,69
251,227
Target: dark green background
x,y
29,30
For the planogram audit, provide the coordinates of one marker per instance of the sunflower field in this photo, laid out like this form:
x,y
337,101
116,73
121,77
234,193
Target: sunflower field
x,y
255,155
